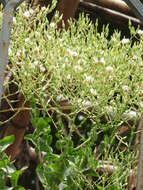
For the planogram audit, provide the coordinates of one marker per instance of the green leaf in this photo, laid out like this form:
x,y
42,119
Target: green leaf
x,y
2,183
5,142
9,169
63,186
99,187
90,172
40,174
30,137
7,188
113,187
41,123
19,188
14,178
3,162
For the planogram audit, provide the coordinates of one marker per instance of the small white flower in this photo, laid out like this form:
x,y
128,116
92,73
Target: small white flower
x,y
86,103
10,51
125,88
42,68
72,53
89,78
96,60
102,60
110,110
68,76
110,77
109,69
14,20
27,40
140,32
125,41
102,52
43,8
60,97
35,63
77,68
135,57
26,15
129,114
80,117
93,92
52,24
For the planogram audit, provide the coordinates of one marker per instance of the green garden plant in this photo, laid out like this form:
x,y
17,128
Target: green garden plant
x,y
99,77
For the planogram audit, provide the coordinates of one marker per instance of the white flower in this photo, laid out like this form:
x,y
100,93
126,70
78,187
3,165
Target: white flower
x,y
72,53
125,88
60,97
93,92
110,110
109,69
89,78
125,41
52,24
96,60
129,114
10,51
77,68
14,20
42,68
86,103
36,62
110,77
68,76
135,57
26,15
102,52
140,32
80,117
27,40
43,8
102,60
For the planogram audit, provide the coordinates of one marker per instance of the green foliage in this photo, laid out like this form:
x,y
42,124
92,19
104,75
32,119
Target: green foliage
x,y
89,70
7,169
5,142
